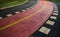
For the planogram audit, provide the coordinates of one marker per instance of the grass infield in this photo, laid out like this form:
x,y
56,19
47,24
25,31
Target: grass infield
x,y
8,3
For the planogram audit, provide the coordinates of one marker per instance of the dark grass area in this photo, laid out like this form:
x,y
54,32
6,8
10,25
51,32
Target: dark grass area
x,y
9,3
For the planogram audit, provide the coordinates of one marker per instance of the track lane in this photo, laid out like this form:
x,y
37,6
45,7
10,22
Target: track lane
x,y
22,29
18,16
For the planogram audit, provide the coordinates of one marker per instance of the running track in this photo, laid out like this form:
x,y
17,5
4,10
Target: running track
x,y
27,22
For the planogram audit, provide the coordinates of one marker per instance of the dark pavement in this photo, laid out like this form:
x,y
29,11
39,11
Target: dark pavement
x,y
57,25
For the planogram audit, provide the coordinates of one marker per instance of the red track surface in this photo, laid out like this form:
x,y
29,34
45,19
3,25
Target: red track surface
x,y
43,0
25,23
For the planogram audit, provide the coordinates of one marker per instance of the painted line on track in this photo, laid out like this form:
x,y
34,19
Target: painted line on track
x,y
18,21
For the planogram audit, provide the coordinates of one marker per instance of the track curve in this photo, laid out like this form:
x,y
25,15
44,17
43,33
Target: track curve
x,y
27,22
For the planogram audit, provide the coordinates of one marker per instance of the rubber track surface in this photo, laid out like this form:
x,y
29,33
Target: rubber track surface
x,y
26,23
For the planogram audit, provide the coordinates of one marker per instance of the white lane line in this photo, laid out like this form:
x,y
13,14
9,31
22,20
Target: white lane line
x,y
31,7
49,22
17,12
45,30
23,10
55,5
9,15
55,9
55,13
27,8
53,17
0,17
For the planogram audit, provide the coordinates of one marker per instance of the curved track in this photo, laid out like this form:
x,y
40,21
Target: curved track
x,y
25,23
51,27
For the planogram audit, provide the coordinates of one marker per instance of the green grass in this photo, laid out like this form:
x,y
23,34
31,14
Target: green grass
x,y
9,3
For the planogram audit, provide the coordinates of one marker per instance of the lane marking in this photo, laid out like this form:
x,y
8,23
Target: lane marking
x,y
17,12
31,7
0,17
27,8
49,22
53,17
9,15
55,13
45,30
18,21
23,10
55,9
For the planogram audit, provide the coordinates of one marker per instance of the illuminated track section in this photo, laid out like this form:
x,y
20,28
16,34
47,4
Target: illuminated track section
x,y
27,22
